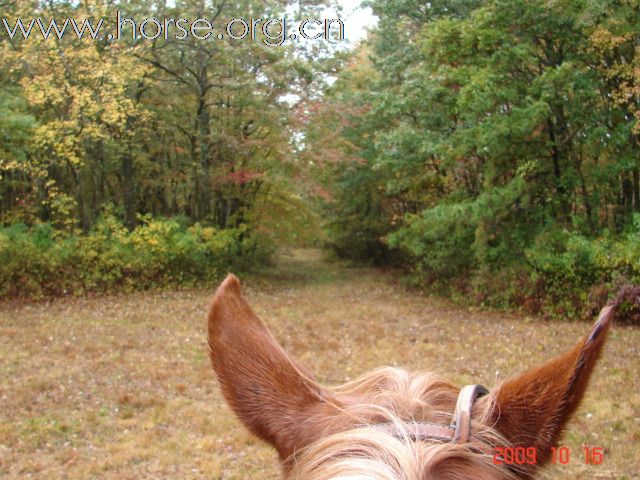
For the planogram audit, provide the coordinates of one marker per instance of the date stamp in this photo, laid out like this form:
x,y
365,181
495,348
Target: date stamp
x,y
590,455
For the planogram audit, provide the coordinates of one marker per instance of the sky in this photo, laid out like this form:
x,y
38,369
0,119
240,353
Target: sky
x,y
356,19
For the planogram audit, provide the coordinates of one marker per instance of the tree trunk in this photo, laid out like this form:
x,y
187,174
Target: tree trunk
x,y
557,173
128,190
585,199
636,189
204,131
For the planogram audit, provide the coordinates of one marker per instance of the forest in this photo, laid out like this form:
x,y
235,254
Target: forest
x,y
209,215
489,149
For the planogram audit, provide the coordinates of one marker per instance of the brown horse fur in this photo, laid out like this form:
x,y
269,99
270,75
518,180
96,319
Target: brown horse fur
x,y
322,433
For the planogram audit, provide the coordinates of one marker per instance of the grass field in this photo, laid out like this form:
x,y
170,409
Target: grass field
x,y
120,387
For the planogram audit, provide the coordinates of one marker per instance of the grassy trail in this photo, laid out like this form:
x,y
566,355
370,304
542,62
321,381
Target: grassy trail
x,y
120,387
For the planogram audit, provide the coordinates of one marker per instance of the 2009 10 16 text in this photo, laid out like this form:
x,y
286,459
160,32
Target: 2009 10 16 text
x,y
529,455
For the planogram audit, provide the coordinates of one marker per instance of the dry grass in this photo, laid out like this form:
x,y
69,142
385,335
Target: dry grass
x,y
121,387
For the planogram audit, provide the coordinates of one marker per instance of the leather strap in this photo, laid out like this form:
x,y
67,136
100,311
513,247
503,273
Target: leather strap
x,y
462,415
458,431
419,431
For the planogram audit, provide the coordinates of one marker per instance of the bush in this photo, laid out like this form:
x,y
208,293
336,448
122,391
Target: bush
x,y
580,273
560,273
566,259
453,239
41,261
440,241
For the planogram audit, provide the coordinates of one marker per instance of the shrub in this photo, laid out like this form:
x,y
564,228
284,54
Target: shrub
x,y
564,259
440,240
452,239
560,273
41,261
580,273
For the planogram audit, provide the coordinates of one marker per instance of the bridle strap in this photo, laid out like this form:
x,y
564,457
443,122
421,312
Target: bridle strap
x,y
462,415
458,431
419,431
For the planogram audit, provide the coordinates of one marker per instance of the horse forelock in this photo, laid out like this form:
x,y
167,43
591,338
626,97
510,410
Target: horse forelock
x,y
354,448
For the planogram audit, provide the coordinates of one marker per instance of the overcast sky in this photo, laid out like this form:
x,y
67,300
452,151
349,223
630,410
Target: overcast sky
x,y
356,19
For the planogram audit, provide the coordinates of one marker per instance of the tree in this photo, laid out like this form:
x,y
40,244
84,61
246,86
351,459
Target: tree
x,y
489,126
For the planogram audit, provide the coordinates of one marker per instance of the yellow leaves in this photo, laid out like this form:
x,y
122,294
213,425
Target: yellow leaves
x,y
622,70
57,139
82,96
604,40
9,164
44,91
208,233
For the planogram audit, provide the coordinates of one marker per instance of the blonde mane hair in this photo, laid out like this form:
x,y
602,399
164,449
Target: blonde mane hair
x,y
394,396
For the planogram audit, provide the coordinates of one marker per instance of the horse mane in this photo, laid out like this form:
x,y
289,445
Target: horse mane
x,y
395,396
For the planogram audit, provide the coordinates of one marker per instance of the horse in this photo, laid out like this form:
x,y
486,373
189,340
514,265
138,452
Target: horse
x,y
390,424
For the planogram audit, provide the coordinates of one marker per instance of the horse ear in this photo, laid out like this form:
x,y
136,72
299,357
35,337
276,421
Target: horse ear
x,y
532,409
270,393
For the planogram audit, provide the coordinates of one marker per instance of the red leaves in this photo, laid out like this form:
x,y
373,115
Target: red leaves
x,y
240,177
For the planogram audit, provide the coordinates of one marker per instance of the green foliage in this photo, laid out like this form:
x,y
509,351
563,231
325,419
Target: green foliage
x,y
564,259
17,126
41,261
148,129
497,142
440,239
161,127
453,238
359,224
563,273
